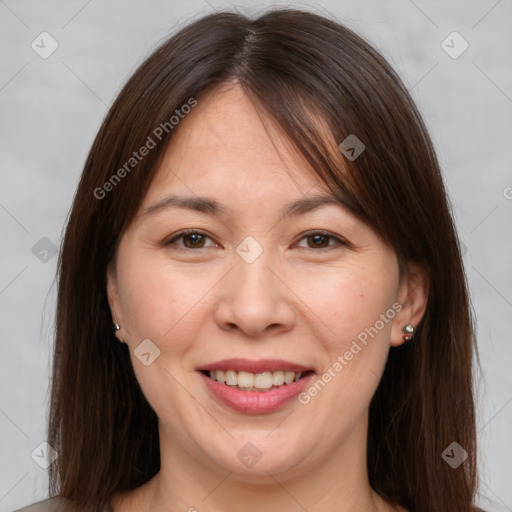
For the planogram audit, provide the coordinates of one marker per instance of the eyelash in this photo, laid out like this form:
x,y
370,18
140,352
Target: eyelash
x,y
181,234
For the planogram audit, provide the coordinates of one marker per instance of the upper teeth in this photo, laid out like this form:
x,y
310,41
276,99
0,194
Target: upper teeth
x,y
263,380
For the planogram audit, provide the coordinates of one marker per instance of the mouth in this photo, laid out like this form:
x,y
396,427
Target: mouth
x,y
255,387
259,382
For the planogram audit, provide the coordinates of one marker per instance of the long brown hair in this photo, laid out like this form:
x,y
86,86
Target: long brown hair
x,y
299,68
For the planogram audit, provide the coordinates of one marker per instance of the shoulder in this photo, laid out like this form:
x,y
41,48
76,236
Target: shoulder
x,y
55,504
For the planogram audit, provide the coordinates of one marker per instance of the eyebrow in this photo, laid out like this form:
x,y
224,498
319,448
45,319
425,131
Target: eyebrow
x,y
214,208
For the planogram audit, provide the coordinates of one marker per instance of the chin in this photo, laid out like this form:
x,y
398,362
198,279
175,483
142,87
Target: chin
x,y
252,458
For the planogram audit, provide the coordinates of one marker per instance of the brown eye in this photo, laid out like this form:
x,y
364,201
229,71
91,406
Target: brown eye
x,y
318,241
195,240
321,241
191,239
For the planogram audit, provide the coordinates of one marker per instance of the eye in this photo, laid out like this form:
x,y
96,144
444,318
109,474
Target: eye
x,y
192,239
320,240
195,239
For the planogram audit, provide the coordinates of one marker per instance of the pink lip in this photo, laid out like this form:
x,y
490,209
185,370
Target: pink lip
x,y
262,365
256,402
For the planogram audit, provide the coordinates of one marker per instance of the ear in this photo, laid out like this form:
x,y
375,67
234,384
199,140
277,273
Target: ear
x,y
113,300
413,297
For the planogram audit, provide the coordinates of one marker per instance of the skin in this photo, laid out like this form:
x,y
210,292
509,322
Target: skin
x,y
294,302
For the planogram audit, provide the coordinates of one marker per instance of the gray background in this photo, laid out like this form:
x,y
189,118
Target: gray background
x,y
51,109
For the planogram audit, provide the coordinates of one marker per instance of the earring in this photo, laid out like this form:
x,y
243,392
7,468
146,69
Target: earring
x,y
408,331
116,328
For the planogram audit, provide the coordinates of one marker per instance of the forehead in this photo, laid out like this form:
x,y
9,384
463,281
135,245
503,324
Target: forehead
x,y
226,147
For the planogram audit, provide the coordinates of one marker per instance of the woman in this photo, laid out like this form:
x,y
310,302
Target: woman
x,y
262,220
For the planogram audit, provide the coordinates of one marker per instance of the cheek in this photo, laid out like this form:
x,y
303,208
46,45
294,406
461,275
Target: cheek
x,y
349,301
163,302
356,304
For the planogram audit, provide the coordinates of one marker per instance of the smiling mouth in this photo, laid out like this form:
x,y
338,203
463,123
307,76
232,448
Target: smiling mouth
x,y
247,381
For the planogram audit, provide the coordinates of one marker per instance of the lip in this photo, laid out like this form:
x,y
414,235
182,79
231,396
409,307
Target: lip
x,y
240,364
256,402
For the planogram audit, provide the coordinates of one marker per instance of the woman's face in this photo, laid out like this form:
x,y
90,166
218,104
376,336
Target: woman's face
x,y
270,287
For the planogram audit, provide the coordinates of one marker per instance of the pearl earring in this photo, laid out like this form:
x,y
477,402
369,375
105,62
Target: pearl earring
x,y
408,331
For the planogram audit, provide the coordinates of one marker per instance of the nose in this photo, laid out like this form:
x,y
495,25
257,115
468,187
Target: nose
x,y
255,300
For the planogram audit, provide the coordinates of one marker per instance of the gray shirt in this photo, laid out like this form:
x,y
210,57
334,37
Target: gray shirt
x,y
56,504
